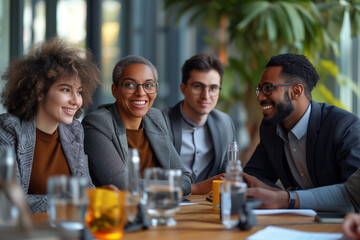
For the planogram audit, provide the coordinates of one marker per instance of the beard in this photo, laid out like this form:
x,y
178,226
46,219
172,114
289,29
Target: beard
x,y
283,110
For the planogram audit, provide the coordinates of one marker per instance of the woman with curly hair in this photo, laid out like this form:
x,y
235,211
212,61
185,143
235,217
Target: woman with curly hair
x,y
44,91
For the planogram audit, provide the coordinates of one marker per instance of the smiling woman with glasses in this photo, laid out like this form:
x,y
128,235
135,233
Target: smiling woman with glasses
x,y
130,122
267,88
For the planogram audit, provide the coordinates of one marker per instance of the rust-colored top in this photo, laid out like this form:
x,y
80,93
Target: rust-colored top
x,y
49,160
137,139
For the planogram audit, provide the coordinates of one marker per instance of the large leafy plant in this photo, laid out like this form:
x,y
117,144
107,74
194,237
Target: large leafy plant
x,y
247,33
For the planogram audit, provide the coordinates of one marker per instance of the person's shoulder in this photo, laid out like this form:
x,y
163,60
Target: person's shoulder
x,y
169,110
12,127
101,110
154,113
157,118
9,121
334,113
99,116
219,115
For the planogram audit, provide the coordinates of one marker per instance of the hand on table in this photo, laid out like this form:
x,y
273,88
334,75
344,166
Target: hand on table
x,y
351,226
205,186
269,199
252,182
110,187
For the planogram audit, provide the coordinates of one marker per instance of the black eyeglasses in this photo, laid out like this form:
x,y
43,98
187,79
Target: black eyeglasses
x,y
198,88
267,88
130,87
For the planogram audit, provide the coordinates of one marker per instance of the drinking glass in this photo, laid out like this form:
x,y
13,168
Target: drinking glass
x,y
233,201
162,190
106,213
67,201
134,193
9,213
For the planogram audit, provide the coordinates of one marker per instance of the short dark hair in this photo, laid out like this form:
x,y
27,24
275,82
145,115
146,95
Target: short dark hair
x,y
32,75
297,68
201,62
132,59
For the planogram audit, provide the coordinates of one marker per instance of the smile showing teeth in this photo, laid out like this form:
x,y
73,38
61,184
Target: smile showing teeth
x,y
267,107
69,110
139,102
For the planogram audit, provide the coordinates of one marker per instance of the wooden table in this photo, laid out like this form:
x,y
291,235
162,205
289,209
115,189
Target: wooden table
x,y
200,222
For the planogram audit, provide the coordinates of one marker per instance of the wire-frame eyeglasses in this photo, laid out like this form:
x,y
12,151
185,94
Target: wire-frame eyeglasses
x,y
198,88
267,88
130,87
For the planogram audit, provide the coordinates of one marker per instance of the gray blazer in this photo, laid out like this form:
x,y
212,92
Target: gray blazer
x,y
107,147
222,132
21,135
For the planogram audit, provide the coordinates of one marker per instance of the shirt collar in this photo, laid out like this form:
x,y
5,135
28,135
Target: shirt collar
x,y
300,128
187,120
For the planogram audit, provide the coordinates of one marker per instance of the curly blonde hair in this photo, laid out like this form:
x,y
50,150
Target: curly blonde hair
x,y
31,76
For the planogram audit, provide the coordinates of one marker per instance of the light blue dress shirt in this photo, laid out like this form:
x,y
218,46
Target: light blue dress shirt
x,y
196,151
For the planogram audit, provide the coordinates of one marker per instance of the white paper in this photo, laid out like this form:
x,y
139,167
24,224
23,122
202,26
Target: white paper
x,y
276,233
305,212
187,203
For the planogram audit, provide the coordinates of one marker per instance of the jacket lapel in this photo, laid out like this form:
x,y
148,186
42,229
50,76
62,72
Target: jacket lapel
x,y
175,119
25,152
70,148
218,140
158,140
312,133
275,148
120,132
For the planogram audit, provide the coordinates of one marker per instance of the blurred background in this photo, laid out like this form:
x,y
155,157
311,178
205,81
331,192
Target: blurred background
x,y
244,34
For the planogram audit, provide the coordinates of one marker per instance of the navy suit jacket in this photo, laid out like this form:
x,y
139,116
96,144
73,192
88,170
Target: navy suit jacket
x,y
332,149
222,132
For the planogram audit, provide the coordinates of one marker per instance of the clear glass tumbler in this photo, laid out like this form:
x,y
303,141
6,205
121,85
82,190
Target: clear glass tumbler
x,y
67,201
233,202
9,213
163,195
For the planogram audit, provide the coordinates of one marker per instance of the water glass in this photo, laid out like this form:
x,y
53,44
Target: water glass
x,y
134,192
68,201
233,202
9,213
162,192
106,213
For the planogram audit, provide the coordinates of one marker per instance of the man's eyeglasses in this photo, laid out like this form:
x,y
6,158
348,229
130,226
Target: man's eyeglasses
x,y
198,88
130,87
267,88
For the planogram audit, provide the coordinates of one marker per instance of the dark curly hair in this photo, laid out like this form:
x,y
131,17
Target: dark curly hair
x,y
31,76
297,68
201,62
